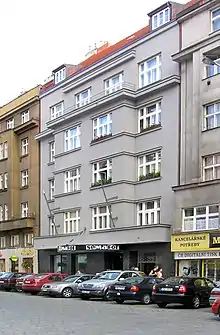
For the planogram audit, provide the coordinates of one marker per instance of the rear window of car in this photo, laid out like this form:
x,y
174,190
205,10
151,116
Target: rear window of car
x,y
176,281
7,275
134,280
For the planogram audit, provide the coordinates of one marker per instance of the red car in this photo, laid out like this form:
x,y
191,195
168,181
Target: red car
x,y
216,307
8,280
19,281
33,284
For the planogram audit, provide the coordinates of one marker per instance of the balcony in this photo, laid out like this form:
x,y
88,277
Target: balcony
x,y
21,128
18,223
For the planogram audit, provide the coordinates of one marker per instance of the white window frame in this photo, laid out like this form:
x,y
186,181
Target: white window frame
x,y
24,146
52,228
207,216
1,213
2,242
28,239
72,180
3,150
2,181
215,18
24,209
80,100
215,69
152,213
102,129
154,117
24,178
10,123
52,152
71,221
15,240
98,218
215,114
56,110
144,70
97,170
72,141
25,116
213,166
51,189
154,165
59,75
6,180
156,18
110,86
5,212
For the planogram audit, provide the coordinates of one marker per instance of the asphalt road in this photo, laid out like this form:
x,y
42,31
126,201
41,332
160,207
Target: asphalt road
x,y
25,314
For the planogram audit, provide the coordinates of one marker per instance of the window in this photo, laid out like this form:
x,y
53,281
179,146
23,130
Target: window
x,y
3,181
56,110
102,171
15,240
215,20
212,69
72,138
10,124
51,189
100,218
212,116
24,210
201,218
71,222
24,146
60,75
4,150
72,180
149,116
51,151
2,242
83,98
25,117
6,180
160,18
24,178
211,167
28,240
150,71
102,126
5,212
149,165
148,213
1,213
52,228
113,84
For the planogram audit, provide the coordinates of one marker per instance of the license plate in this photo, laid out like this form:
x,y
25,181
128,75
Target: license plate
x,y
118,293
27,282
85,292
1,281
44,289
120,288
166,289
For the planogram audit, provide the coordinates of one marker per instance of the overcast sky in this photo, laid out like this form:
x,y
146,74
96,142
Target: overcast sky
x,y
36,36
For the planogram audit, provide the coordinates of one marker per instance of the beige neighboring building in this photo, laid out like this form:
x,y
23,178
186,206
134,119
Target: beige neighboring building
x,y
19,182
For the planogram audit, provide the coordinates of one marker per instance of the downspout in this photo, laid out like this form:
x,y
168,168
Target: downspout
x,y
179,112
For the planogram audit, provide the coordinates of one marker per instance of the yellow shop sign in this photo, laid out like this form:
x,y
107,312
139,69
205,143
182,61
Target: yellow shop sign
x,y
27,252
189,242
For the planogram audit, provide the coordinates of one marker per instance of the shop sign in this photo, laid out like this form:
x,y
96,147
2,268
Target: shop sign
x,y
14,258
214,240
102,247
189,242
27,252
66,247
197,255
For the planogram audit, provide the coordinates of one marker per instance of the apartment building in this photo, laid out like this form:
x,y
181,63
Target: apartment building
x,y
19,182
109,129
196,238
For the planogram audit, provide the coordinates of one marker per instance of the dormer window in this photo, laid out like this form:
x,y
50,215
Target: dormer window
x,y
160,18
59,75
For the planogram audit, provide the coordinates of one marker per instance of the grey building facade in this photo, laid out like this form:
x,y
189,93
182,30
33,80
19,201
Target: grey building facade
x,y
111,123
197,196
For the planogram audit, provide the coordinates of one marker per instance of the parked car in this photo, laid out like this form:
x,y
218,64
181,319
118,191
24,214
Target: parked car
x,y
19,281
98,286
188,291
8,280
66,288
215,293
33,284
216,307
134,288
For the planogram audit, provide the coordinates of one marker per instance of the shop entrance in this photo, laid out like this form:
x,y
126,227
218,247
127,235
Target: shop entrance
x,y
113,261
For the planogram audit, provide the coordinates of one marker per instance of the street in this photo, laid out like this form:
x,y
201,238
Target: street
x,y
26,314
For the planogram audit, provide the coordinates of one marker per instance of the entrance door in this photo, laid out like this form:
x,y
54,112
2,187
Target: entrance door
x,y
113,261
146,267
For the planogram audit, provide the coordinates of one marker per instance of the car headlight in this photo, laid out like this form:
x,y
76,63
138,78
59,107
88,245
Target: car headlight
x,y
53,286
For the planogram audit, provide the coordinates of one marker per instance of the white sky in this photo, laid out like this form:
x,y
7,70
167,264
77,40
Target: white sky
x,y
36,36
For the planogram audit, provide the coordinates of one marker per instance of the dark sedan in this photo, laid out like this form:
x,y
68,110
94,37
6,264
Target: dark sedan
x,y
136,289
188,291
8,280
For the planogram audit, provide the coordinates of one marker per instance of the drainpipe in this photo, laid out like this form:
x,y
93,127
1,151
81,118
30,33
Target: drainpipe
x,y
179,111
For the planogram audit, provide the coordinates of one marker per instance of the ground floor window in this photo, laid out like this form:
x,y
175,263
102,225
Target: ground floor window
x,y
27,265
189,268
2,265
212,269
59,263
81,262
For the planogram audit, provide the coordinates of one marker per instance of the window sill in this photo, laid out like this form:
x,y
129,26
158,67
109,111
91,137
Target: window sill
x,y
3,159
148,180
205,130
66,194
24,187
3,190
50,201
23,156
100,139
149,130
50,163
156,225
67,152
210,77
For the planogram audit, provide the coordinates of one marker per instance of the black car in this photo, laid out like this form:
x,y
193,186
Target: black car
x,y
134,288
188,291
8,280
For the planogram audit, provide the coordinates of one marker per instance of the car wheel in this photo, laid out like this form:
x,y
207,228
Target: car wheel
x,y
146,300
67,292
106,296
84,297
196,302
161,304
7,289
33,293
119,301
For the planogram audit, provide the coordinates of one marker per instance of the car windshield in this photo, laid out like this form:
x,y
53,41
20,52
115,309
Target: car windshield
x,y
6,275
71,279
108,275
134,280
176,281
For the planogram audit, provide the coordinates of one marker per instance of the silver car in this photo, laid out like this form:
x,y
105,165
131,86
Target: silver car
x,y
98,286
215,293
66,288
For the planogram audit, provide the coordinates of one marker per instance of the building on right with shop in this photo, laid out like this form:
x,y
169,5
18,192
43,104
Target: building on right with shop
x,y
196,236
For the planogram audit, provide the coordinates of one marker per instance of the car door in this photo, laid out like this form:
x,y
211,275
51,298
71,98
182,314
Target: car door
x,y
210,285
201,288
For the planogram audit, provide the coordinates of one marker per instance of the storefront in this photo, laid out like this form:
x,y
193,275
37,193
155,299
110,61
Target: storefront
x,y
197,255
18,260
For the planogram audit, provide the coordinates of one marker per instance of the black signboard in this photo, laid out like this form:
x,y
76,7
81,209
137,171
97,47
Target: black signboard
x,y
65,248
214,241
88,247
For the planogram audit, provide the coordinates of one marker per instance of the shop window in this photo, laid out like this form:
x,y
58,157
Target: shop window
x,y
212,269
81,262
189,268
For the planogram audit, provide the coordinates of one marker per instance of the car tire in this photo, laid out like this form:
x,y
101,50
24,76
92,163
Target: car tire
x,y
67,292
119,301
146,300
84,297
7,289
106,296
161,304
196,302
33,293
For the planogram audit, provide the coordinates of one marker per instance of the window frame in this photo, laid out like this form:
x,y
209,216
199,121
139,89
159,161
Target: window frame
x,y
214,166
24,146
51,189
214,114
79,101
157,15
213,19
5,212
14,240
195,216
145,164
24,178
146,70
96,177
1,213
24,209
51,151
54,114
144,211
6,180
25,116
3,150
102,129
10,123
72,142
214,68
111,88
59,75
2,242
28,239
72,180
96,215
145,116
73,221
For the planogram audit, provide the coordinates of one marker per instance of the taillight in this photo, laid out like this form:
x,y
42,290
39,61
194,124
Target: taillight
x,y
154,288
215,292
134,288
182,289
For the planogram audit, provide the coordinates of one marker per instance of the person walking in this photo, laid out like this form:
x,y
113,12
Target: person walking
x,y
153,272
